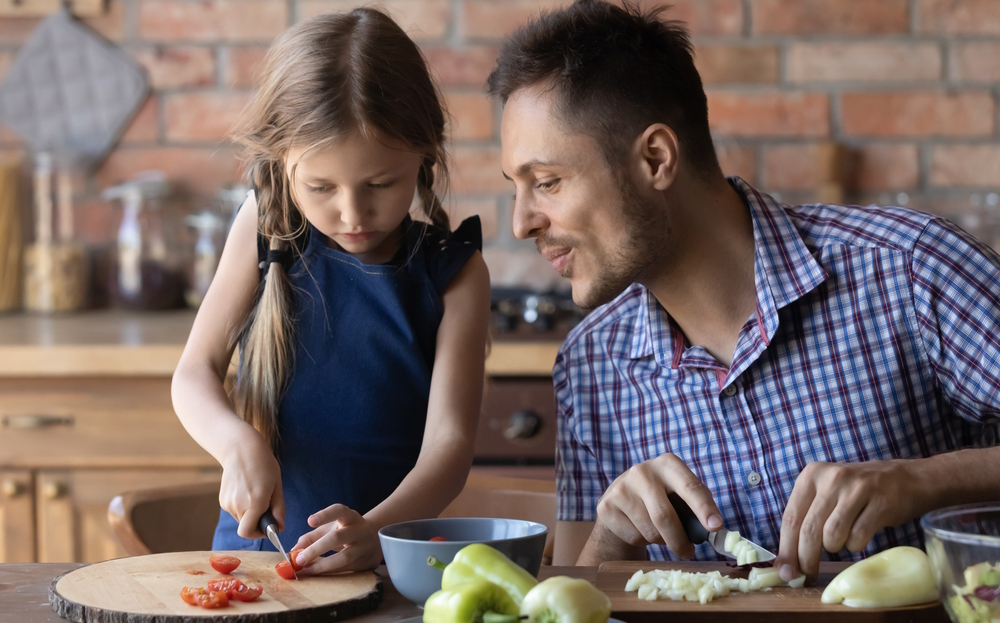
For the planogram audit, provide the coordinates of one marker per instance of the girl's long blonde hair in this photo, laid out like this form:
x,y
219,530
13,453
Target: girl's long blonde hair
x,y
323,79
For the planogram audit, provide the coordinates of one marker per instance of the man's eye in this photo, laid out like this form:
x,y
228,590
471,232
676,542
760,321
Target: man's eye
x,y
549,185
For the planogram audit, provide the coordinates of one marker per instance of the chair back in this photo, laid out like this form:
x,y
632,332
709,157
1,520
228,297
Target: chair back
x,y
166,519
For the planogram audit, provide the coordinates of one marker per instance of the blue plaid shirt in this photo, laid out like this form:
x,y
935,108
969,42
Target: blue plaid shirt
x,y
876,337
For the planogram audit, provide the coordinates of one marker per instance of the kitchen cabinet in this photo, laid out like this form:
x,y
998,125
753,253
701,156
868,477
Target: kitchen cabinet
x,y
85,413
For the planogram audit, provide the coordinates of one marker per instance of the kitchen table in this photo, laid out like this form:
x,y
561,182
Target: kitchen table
x,y
24,593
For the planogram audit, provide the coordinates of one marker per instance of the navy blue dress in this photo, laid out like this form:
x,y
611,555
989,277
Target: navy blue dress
x,y
352,419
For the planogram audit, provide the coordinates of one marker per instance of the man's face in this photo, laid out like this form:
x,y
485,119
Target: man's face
x,y
593,226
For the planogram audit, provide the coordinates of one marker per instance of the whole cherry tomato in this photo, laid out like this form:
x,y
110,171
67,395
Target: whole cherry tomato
x,y
224,564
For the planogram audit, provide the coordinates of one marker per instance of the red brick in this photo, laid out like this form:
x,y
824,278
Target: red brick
x,y
245,65
421,19
477,170
471,115
737,159
462,208
810,17
8,138
145,126
704,17
732,64
959,16
212,20
789,167
464,67
95,220
965,165
494,19
201,171
203,116
176,66
975,62
768,114
920,113
882,61
878,167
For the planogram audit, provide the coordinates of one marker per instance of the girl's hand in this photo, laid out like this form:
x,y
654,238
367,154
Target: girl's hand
x,y
251,483
344,531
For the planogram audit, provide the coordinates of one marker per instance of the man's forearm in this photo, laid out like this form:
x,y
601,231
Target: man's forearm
x,y
961,477
604,545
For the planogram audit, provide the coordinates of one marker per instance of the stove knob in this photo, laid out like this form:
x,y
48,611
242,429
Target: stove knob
x,y
523,424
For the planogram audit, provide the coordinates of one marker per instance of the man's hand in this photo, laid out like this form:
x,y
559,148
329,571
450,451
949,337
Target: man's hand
x,y
635,508
837,505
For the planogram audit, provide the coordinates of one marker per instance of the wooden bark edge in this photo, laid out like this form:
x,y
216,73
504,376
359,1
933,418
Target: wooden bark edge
x,y
79,613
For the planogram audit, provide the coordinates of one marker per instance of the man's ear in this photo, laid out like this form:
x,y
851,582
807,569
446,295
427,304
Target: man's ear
x,y
659,152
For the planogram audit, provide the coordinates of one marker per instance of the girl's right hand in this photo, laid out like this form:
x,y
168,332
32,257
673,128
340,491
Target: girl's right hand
x,y
251,483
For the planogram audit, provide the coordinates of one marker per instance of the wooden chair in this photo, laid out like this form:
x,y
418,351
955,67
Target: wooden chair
x,y
513,498
166,519
183,518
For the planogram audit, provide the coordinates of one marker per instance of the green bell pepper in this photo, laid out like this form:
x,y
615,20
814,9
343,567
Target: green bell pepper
x,y
482,562
476,601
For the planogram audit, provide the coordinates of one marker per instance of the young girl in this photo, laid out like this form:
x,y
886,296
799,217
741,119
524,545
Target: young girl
x,y
362,332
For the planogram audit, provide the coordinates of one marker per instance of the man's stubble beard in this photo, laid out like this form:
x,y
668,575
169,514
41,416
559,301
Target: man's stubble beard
x,y
648,232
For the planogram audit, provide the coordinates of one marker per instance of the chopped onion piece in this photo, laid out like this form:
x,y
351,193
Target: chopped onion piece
x,y
731,540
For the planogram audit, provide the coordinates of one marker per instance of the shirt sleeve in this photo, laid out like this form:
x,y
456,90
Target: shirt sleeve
x,y
579,479
956,291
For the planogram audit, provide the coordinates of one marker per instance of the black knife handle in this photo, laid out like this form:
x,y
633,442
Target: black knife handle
x,y
267,519
696,533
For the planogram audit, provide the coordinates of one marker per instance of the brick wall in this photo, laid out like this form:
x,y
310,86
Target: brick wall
x,y
911,88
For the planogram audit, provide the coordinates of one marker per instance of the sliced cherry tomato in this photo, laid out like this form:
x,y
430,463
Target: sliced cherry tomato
x,y
214,600
201,597
246,592
294,555
190,595
437,538
284,569
224,584
224,564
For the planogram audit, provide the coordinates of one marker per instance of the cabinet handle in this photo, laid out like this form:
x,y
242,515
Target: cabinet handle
x,y
36,421
53,490
12,488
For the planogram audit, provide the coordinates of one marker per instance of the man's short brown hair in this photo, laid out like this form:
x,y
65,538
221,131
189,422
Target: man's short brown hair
x,y
616,70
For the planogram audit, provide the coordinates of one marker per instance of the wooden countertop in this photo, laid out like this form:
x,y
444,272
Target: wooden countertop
x,y
117,343
24,592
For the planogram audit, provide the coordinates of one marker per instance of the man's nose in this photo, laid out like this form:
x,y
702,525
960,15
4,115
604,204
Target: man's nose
x,y
529,222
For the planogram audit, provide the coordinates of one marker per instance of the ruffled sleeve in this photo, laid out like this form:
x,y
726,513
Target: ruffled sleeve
x,y
448,252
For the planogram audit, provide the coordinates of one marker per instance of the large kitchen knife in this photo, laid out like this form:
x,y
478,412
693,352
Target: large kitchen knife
x,y
269,526
697,533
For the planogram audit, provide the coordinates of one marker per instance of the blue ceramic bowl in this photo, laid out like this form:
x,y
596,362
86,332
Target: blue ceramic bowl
x,y
407,545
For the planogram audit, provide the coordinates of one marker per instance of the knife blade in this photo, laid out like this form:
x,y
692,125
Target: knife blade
x,y
697,533
269,526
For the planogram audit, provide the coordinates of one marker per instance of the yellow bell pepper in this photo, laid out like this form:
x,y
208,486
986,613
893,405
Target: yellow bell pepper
x,y
561,599
482,562
476,601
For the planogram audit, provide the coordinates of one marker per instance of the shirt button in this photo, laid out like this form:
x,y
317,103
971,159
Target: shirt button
x,y
730,390
753,478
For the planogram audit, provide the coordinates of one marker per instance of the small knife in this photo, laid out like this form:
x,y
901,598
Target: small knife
x,y
269,526
697,533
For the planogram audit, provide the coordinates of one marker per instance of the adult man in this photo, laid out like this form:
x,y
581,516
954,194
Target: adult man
x,y
814,376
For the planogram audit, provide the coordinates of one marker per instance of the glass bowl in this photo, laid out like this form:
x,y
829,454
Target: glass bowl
x,y
963,544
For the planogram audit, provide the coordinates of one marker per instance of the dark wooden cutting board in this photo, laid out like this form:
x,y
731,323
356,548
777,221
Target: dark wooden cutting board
x,y
147,589
780,605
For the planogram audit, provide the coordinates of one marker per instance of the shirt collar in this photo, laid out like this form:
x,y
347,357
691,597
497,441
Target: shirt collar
x,y
784,271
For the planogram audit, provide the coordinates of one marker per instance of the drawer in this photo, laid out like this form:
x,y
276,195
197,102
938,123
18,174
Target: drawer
x,y
108,422
518,421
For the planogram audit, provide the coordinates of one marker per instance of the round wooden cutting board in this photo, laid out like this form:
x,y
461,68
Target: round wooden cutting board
x,y
147,589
